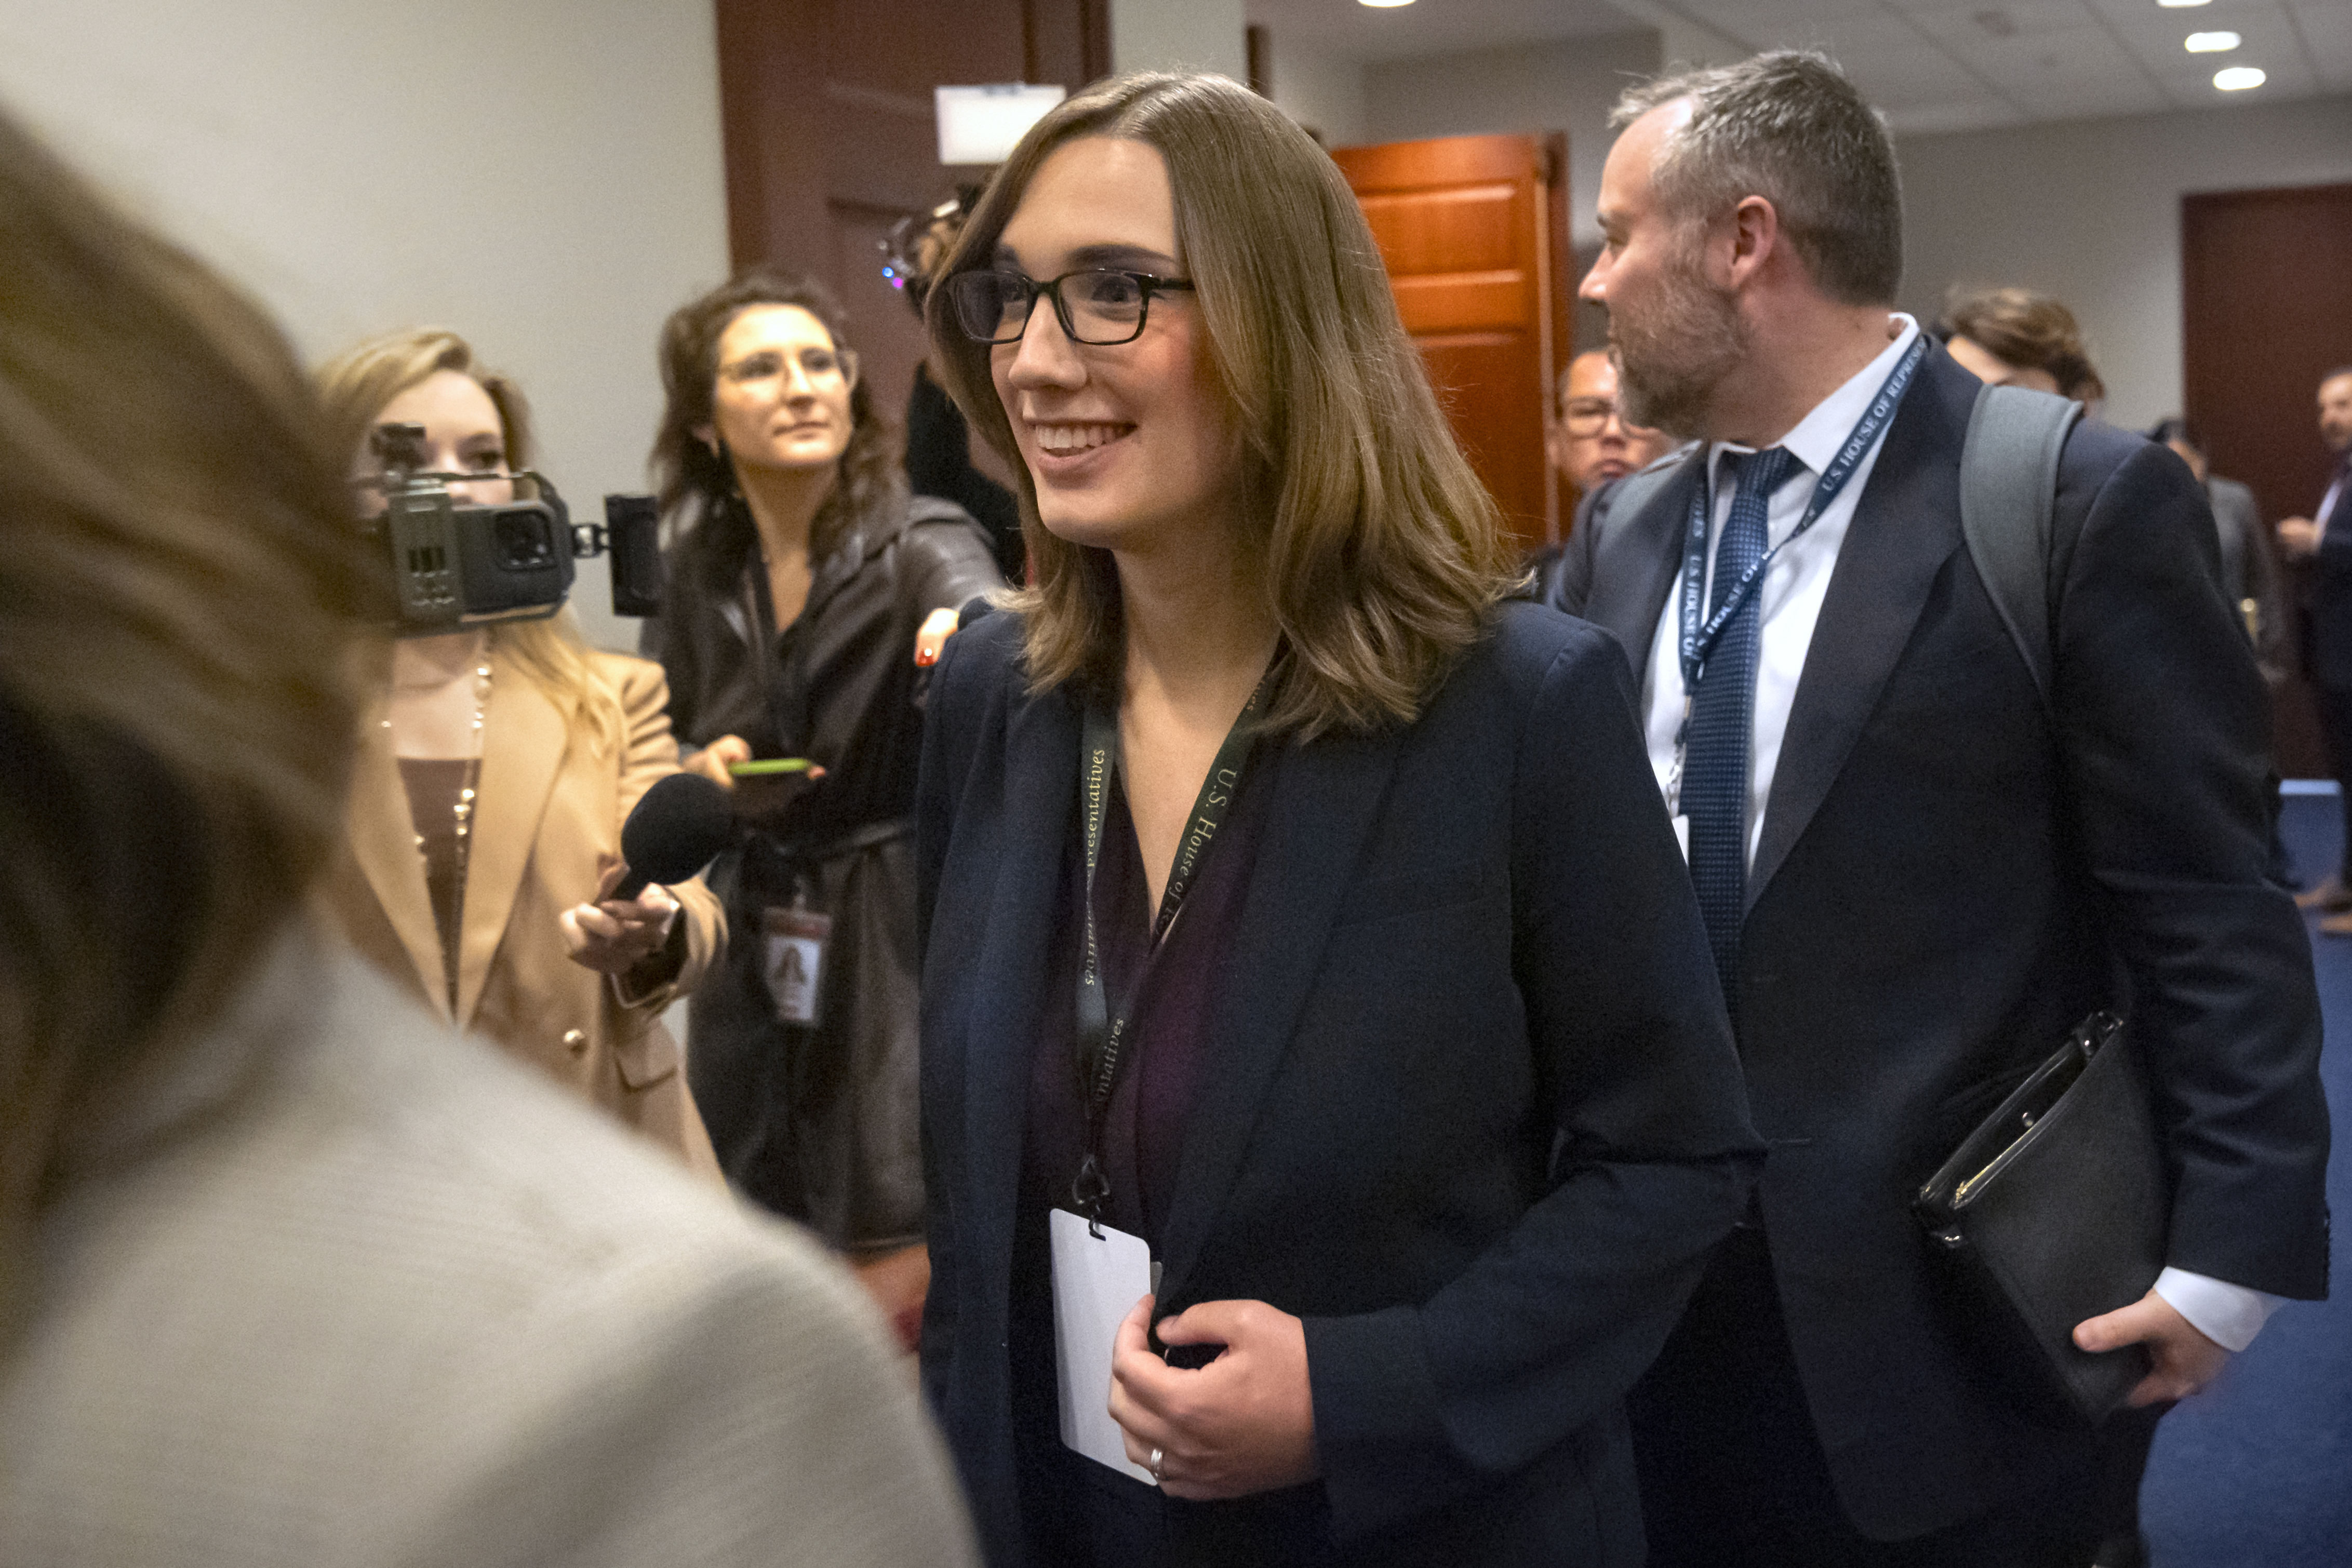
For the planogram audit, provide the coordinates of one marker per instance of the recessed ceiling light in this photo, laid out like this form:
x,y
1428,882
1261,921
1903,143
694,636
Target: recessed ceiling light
x,y
1392,5
2181,5
2213,43
2238,79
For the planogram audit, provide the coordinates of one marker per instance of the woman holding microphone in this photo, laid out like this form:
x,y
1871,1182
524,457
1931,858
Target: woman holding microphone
x,y
1323,1071
492,782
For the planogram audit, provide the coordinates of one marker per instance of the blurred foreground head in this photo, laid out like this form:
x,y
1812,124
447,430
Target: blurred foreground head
x,y
177,577
2016,337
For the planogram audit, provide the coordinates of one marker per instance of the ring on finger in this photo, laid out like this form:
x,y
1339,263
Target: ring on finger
x,y
1156,1479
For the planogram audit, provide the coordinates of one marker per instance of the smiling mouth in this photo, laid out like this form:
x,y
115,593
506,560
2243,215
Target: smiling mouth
x,y
1069,440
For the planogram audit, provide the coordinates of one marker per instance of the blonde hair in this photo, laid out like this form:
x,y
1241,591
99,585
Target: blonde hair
x,y
356,384
178,590
1384,555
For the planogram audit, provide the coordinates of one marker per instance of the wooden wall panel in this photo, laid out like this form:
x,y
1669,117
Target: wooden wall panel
x,y
830,136
2265,312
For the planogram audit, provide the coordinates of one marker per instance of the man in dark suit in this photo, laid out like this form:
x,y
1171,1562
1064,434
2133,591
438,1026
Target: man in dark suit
x,y
2325,538
1917,876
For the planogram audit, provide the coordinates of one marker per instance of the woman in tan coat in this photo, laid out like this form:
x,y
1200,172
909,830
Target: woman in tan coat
x,y
493,778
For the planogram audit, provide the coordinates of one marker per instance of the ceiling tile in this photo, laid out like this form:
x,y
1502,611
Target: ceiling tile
x,y
2217,13
1978,21
2193,88
2043,62
2268,36
1769,24
2326,29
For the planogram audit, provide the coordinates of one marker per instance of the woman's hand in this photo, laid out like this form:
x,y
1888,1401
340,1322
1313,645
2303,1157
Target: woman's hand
x,y
1242,1424
612,937
714,759
931,637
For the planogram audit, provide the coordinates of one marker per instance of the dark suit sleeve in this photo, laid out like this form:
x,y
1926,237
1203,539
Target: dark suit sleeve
x,y
1564,576
1652,1150
2163,721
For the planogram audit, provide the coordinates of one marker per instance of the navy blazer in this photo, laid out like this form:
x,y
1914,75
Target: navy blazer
x,y
1949,878
1471,1108
2328,597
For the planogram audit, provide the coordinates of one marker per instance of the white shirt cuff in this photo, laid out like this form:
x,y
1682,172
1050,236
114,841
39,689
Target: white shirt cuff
x,y
2230,1315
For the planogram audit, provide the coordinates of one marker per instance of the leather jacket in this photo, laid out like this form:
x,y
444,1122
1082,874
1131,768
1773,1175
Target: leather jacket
x,y
818,1120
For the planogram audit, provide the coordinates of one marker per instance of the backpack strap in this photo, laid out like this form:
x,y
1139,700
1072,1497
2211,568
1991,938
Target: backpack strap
x,y
2008,493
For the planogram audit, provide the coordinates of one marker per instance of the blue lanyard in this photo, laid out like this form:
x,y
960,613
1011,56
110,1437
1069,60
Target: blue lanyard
x,y
1698,640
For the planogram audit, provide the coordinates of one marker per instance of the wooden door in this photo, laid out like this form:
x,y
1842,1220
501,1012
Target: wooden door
x,y
2266,311
1474,232
830,137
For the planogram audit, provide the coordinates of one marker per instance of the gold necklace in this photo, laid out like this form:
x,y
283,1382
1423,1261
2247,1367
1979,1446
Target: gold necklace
x,y
463,830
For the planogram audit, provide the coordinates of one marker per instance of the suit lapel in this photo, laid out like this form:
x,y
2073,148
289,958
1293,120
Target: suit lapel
x,y
1328,795
380,828
1018,922
1635,562
524,747
1905,527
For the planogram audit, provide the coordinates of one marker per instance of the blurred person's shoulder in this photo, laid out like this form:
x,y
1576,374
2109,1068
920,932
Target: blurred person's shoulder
x,y
340,1286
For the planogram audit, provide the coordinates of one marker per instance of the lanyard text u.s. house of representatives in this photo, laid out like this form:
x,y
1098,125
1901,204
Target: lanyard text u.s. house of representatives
x,y
1700,633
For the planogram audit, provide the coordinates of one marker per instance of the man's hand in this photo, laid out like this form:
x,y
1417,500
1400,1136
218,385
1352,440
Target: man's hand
x,y
2183,1360
1242,1424
2298,537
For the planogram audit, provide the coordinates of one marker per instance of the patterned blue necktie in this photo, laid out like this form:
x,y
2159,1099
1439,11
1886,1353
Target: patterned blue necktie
x,y
1723,709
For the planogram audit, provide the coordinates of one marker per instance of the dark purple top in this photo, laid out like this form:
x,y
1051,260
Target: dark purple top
x,y
1167,1038
1077,1512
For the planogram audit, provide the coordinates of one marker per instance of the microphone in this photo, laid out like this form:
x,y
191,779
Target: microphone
x,y
677,828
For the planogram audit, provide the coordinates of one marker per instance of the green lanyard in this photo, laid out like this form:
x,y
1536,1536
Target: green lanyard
x,y
1101,1036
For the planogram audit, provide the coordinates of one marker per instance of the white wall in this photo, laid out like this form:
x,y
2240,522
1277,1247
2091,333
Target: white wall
x,y
1168,35
1323,92
2090,211
543,177
1565,87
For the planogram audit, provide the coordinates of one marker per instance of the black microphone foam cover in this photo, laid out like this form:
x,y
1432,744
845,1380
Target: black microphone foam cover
x,y
677,827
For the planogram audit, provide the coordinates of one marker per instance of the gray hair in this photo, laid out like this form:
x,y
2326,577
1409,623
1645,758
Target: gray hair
x,y
1789,127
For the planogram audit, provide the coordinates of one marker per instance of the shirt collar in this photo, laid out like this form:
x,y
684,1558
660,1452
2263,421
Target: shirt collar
x,y
1818,436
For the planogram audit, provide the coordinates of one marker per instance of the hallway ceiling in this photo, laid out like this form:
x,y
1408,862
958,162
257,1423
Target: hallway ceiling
x,y
1933,64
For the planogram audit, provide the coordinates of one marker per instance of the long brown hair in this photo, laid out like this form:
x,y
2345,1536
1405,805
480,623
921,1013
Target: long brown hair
x,y
1384,554
356,384
710,529
178,588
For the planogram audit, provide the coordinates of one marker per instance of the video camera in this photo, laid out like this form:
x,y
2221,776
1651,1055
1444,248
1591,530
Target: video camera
x,y
461,566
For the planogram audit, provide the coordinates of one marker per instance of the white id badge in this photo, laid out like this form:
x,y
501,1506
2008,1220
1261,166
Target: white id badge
x,y
1096,1282
1682,836
795,960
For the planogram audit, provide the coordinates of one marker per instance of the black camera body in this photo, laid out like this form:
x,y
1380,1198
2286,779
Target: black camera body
x,y
455,566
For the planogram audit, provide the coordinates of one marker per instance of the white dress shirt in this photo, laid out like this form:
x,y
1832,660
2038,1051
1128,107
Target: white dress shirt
x,y
1789,600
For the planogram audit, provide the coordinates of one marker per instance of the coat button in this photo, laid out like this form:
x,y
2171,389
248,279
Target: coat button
x,y
576,1039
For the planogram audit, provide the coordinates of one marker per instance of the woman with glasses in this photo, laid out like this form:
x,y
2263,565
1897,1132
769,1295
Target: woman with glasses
x,y
493,775
798,575
1327,1100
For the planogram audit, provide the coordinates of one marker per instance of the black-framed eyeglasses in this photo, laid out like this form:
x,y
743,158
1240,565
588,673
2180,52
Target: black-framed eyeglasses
x,y
1097,305
1585,416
